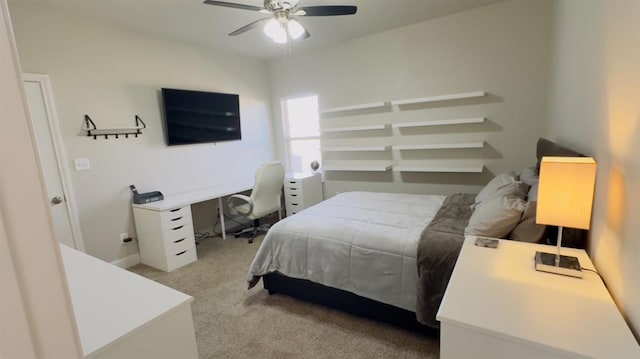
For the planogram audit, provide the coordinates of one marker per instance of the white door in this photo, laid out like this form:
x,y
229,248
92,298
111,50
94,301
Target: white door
x,y
44,120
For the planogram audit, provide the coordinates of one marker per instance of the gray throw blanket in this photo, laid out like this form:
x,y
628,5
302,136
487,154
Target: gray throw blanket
x,y
438,250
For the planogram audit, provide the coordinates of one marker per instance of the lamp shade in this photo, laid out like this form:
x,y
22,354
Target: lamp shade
x,y
565,193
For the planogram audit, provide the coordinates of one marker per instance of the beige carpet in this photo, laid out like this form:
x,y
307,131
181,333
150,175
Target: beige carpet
x,y
233,322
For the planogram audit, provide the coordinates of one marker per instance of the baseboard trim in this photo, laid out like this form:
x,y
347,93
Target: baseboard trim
x,y
128,261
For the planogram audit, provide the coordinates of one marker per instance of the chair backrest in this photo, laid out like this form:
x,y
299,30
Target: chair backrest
x,y
267,189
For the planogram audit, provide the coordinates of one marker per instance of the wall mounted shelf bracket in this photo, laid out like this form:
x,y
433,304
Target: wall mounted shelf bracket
x,y
92,130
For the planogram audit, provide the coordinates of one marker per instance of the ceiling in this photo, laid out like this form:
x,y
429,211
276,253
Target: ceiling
x,y
195,22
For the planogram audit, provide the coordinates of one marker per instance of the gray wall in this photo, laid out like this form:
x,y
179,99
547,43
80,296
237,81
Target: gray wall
x,y
112,74
595,108
503,49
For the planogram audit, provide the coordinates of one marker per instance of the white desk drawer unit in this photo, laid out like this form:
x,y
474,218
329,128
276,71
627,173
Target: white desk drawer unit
x,y
166,237
301,190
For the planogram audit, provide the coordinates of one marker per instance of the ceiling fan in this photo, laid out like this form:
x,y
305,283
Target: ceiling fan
x,y
282,25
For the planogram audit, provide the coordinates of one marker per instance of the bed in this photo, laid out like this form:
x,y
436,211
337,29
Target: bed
x,y
390,255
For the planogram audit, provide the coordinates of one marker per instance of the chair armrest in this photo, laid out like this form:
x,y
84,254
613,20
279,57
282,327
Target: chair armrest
x,y
238,204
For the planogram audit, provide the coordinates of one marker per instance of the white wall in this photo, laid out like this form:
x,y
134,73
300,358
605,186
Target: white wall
x,y
502,49
112,74
595,108
35,306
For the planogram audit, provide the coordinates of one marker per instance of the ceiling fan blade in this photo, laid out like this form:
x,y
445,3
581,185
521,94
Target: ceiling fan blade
x,y
248,27
329,10
232,5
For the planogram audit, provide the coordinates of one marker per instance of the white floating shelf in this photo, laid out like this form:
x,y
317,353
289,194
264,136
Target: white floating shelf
x,y
468,168
113,129
458,121
355,128
439,146
439,98
355,148
363,106
360,166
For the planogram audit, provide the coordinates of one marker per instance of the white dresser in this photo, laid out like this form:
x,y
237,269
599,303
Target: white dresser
x,y
301,190
498,306
165,237
120,314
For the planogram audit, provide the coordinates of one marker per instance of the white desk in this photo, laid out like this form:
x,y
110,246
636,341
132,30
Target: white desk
x,y
165,228
188,198
120,314
179,200
498,306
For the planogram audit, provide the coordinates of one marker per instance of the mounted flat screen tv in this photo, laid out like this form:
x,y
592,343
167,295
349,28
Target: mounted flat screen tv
x,y
200,117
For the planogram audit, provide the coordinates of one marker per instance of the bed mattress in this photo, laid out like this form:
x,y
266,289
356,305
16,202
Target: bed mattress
x,y
361,242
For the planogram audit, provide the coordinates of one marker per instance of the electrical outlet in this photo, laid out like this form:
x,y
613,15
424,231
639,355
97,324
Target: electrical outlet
x,y
82,164
123,236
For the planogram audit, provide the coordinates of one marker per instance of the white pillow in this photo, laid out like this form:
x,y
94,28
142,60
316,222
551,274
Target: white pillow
x,y
497,182
529,176
517,189
496,217
527,230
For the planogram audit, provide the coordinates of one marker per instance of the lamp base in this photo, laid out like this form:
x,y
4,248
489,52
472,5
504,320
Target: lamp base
x,y
568,265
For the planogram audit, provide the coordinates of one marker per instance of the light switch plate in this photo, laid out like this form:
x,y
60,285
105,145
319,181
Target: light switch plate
x,y
82,164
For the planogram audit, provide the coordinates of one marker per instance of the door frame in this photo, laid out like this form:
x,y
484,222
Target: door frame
x,y
35,308
61,159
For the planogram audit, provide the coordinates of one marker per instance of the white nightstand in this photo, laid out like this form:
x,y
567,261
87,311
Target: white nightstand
x,y
301,190
498,306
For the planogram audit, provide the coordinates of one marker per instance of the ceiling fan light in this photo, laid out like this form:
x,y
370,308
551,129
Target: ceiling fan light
x,y
275,31
295,29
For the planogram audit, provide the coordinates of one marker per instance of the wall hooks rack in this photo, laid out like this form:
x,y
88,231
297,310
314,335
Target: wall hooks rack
x,y
92,130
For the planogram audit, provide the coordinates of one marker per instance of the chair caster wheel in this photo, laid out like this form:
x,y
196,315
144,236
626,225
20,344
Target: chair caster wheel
x,y
250,241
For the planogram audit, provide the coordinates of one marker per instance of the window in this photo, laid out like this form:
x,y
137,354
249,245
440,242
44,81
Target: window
x,y
301,132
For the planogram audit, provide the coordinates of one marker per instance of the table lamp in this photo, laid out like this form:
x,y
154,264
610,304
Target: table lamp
x,y
565,199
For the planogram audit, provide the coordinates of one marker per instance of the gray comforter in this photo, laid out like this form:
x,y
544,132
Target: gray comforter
x,y
438,250
360,242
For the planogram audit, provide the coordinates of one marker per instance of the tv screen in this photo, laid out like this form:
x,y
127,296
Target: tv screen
x,y
200,117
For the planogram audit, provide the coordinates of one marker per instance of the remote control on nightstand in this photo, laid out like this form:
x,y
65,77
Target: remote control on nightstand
x,y
487,242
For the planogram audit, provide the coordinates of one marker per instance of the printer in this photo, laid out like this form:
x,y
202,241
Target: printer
x,y
142,198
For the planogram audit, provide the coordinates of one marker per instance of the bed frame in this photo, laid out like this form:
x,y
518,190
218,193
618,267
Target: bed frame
x,y
277,283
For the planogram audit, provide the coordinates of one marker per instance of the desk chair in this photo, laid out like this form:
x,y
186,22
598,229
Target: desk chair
x,y
264,198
